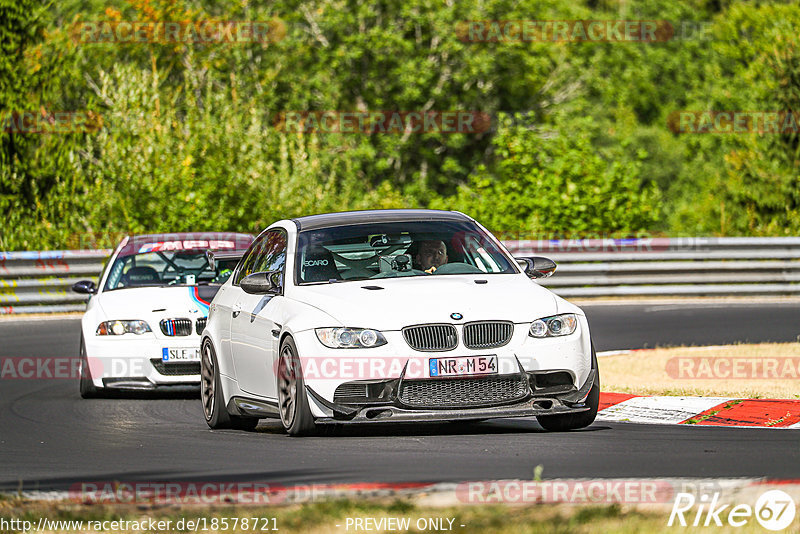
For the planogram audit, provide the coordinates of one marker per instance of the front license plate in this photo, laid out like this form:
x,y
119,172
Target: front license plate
x,y
467,365
180,355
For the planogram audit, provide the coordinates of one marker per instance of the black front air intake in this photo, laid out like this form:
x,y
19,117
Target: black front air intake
x,y
463,392
487,334
200,324
431,337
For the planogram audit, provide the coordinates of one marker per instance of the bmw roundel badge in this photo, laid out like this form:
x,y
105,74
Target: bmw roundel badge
x,y
456,316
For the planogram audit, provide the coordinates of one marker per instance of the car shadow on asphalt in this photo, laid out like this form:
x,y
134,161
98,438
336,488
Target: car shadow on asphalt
x,y
459,428
84,486
150,394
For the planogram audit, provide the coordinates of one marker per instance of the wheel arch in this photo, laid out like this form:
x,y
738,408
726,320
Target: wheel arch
x,y
223,362
284,335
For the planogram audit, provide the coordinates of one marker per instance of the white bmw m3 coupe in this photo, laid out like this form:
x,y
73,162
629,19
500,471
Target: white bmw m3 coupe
x,y
141,329
392,316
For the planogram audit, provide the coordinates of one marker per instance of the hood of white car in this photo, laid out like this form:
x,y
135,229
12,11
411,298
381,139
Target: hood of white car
x,y
155,303
407,301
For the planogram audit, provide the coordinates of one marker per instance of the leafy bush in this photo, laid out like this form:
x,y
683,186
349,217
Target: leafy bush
x,y
579,143
546,182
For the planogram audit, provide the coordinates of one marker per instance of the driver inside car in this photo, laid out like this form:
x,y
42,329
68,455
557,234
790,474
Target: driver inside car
x,y
430,256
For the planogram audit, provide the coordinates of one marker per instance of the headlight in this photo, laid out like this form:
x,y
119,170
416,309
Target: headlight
x,y
117,328
557,325
350,338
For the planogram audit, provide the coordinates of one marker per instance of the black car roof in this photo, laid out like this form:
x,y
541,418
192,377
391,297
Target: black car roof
x,y
325,220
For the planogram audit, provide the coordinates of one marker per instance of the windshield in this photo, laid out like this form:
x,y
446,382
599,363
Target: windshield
x,y
391,250
167,268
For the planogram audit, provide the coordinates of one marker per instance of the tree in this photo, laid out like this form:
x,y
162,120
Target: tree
x,y
554,183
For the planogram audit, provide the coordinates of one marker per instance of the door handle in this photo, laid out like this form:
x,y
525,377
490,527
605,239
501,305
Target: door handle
x,y
236,310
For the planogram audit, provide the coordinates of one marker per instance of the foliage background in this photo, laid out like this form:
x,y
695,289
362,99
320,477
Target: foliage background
x,y
579,144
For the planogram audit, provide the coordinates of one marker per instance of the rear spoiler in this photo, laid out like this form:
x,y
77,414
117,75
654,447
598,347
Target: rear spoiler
x,y
217,256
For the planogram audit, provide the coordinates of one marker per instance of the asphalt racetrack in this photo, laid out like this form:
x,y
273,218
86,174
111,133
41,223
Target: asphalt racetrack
x,y
51,439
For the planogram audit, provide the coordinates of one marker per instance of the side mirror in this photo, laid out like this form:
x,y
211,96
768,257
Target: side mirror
x,y
537,266
266,283
84,287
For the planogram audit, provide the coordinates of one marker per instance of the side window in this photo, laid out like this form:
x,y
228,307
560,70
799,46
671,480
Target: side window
x,y
268,253
272,256
116,270
249,260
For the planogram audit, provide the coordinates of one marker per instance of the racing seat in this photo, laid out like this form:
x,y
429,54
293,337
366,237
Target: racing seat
x,y
140,276
319,265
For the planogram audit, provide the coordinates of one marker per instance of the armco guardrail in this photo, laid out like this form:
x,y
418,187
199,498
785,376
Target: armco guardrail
x,y
692,266
40,281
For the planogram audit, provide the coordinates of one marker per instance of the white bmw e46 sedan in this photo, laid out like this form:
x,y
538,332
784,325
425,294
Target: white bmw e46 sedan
x,y
392,316
141,330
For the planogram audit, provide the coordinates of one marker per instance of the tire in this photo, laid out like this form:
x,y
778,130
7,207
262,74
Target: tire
x,y
87,387
212,398
574,421
292,399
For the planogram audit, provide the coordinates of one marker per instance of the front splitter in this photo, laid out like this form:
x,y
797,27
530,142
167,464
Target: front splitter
x,y
393,414
532,406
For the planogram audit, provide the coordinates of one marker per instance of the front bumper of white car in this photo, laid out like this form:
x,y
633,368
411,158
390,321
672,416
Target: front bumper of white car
x,y
531,401
132,362
527,400
534,377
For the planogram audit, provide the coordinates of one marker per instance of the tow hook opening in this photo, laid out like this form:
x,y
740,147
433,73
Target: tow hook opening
x,y
544,404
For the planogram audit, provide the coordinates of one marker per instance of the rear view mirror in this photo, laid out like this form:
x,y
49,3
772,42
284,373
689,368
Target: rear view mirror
x,y
223,259
84,287
386,240
537,266
265,283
